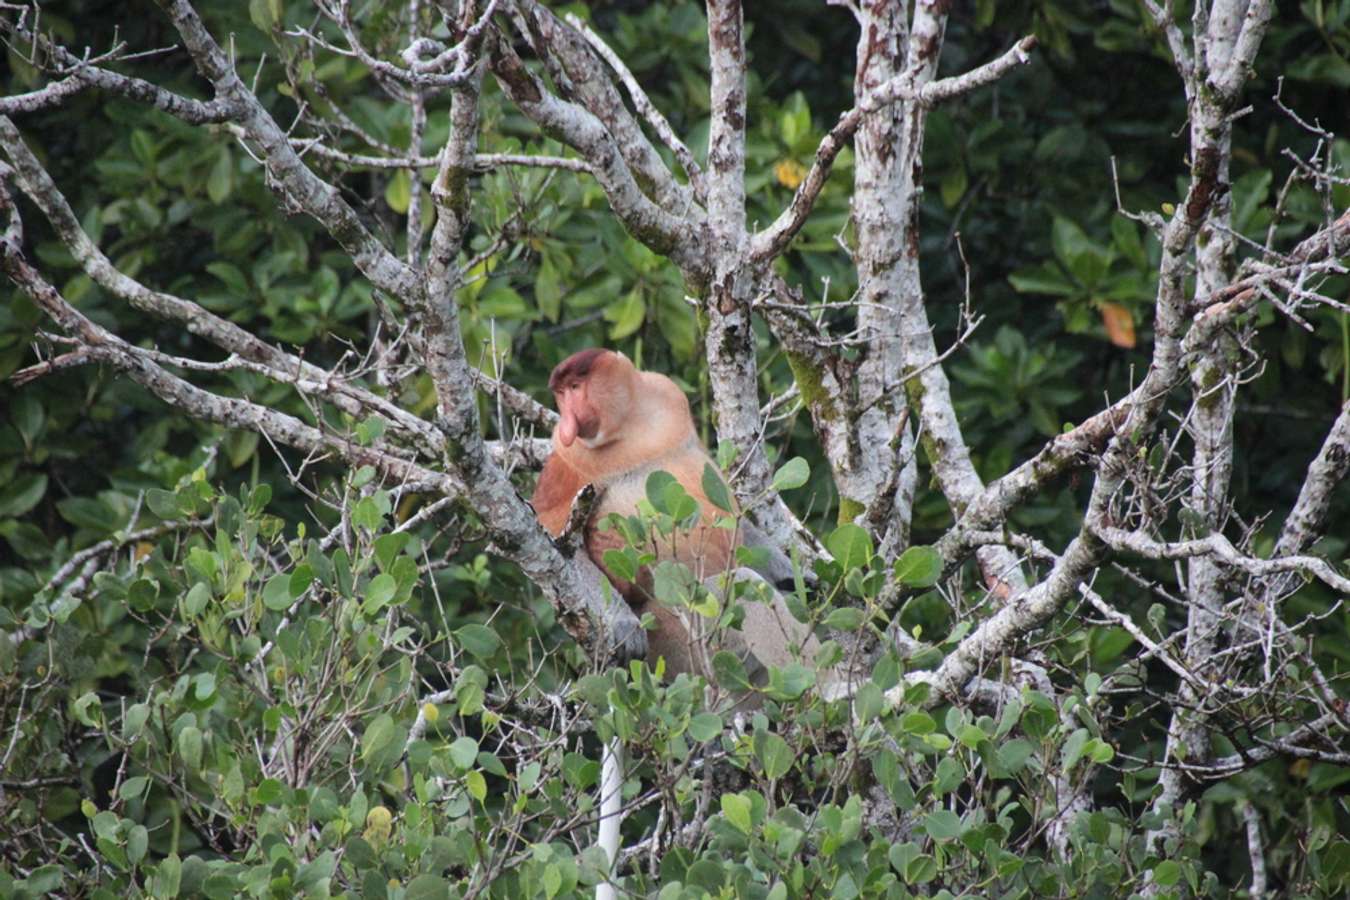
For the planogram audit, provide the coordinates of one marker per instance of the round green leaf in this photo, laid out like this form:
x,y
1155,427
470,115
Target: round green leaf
x,y
919,567
850,545
792,474
479,640
943,825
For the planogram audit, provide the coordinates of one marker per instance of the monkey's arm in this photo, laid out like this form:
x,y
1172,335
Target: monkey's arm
x,y
557,487
558,490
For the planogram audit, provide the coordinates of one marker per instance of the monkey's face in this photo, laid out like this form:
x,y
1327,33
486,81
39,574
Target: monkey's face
x,y
594,393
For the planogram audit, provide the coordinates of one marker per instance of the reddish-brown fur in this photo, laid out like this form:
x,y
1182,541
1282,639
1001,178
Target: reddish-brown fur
x,y
616,426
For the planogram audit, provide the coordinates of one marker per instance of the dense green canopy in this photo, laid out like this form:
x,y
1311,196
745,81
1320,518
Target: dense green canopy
x,y
229,667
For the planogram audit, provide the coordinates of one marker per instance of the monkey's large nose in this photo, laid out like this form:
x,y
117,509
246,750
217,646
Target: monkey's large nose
x,y
567,426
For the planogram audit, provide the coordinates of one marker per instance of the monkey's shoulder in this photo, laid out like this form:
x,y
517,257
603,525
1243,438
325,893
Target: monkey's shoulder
x,y
621,490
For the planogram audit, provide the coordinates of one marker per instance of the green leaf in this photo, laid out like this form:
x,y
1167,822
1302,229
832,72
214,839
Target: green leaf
x,y
715,489
626,315
379,593
943,825
136,716
378,735
479,640
398,193
1014,754
548,289
705,726
869,702
142,594
167,877
918,722
221,180
579,771
737,809
300,580
790,681
43,880
953,186
1045,278
21,495
138,840
28,416
774,755
1167,873
793,474
921,870
729,671
133,787
190,747
1099,751
366,512
312,874
970,735
919,567
388,547
88,512
850,545
266,14
87,709
621,564
655,489
277,593
26,538
886,673
679,503
463,752
427,887
476,785
197,598
1073,748
846,618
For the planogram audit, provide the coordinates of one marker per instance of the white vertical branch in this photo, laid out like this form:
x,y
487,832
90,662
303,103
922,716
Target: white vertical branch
x,y
730,339
872,489
611,812
1213,76
930,392
1128,426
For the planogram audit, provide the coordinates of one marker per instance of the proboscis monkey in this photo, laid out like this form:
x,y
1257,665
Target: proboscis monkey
x,y
617,426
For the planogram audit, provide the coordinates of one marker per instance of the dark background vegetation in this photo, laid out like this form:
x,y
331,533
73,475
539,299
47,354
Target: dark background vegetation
x,y
1018,175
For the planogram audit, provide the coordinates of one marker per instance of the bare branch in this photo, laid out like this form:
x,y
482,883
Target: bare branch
x,y
292,178
1219,547
954,86
582,131
1308,518
774,239
574,66
644,106
272,362
85,74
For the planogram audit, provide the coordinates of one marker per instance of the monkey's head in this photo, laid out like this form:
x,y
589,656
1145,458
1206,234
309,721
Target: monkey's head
x,y
595,391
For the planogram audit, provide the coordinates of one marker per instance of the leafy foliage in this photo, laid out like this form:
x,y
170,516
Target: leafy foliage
x,y
201,699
